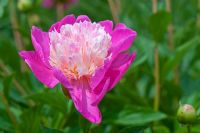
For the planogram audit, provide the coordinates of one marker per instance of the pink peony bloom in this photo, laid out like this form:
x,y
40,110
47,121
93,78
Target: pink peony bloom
x,y
52,3
87,58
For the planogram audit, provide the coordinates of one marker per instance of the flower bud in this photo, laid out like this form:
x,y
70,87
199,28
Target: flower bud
x,y
24,5
33,19
186,114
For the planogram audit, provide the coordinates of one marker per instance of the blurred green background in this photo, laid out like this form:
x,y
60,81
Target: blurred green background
x,y
168,44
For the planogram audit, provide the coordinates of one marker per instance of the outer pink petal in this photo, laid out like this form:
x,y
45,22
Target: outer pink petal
x,y
113,75
61,77
99,74
119,63
121,40
108,25
119,67
40,42
83,100
82,97
43,74
69,19
82,18
120,26
122,59
101,90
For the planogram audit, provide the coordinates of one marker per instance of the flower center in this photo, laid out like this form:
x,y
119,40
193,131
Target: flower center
x,y
79,49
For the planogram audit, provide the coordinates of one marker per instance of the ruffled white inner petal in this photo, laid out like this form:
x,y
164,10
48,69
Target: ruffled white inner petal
x,y
79,49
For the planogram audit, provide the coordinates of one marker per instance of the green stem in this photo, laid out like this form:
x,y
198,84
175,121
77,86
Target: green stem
x,y
156,68
19,87
114,7
189,129
170,40
9,112
151,129
198,15
170,26
60,10
6,72
16,33
157,80
154,6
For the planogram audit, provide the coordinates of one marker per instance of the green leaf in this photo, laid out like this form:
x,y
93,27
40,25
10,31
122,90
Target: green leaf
x,y
31,121
1,11
138,116
160,128
3,3
8,53
54,99
179,53
7,85
158,23
5,125
50,130
133,129
196,128
85,124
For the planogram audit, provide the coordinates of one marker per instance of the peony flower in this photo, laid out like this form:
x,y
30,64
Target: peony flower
x,y
52,3
87,58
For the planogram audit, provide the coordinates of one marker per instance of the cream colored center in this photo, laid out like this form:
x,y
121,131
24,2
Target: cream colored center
x,y
79,49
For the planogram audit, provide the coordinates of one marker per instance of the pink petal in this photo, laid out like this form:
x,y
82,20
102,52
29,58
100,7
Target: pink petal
x,y
69,19
82,18
122,39
120,26
122,59
61,77
101,90
83,100
82,97
113,75
120,63
99,74
43,74
108,25
119,67
40,42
